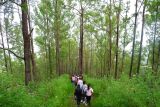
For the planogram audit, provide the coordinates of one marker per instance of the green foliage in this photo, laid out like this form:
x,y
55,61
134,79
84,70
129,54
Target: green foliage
x,y
125,92
52,93
58,92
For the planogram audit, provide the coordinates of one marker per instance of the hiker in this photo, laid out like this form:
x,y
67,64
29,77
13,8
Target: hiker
x,y
73,79
80,82
84,89
89,93
78,95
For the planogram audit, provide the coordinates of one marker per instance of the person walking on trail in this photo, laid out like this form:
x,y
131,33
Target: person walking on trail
x,y
78,94
84,89
80,82
73,79
89,93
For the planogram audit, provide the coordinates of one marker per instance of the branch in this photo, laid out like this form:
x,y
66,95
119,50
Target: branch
x,y
73,8
14,2
12,53
31,32
2,3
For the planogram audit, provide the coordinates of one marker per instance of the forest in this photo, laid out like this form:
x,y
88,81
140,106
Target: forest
x,y
114,44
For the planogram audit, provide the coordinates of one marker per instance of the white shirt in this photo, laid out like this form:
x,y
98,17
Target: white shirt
x,y
80,82
89,92
84,87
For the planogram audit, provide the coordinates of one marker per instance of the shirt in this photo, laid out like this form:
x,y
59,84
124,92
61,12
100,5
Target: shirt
x,y
80,82
89,92
84,87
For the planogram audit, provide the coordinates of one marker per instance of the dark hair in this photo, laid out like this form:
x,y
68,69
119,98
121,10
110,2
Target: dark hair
x,y
88,86
84,82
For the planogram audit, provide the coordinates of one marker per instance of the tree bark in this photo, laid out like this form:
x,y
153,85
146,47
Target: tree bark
x,y
57,36
124,40
110,38
26,39
140,50
155,29
117,40
81,42
4,52
6,31
134,36
32,47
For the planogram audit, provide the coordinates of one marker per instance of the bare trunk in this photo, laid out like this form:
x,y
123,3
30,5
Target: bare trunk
x,y
4,52
124,42
57,34
6,31
26,39
32,48
117,40
153,59
134,36
110,39
81,42
158,57
140,50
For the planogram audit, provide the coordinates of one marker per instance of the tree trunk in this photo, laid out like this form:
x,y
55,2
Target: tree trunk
x,y
81,42
158,57
26,39
153,59
32,48
4,52
6,31
134,36
57,36
140,50
110,39
124,41
117,40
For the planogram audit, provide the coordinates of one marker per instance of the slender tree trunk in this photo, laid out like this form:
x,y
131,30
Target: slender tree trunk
x,y
69,57
110,38
26,39
117,40
148,57
153,53
140,50
81,42
32,48
57,36
6,31
134,36
4,52
158,57
124,42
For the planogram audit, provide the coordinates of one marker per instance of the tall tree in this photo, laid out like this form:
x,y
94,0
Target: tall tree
x,y
81,39
57,34
4,52
26,39
134,36
140,50
155,30
124,37
117,38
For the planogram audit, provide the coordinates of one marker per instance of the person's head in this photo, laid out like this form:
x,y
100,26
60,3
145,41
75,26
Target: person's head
x,y
78,86
88,86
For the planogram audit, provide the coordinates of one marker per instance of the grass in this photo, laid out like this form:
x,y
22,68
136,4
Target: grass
x,y
58,92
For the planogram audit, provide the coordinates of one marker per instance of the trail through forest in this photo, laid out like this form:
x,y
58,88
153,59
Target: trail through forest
x,y
72,101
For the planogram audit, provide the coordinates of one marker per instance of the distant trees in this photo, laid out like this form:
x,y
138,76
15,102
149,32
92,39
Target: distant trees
x,y
85,36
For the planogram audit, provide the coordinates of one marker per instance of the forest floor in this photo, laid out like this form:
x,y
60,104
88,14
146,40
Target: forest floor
x,y
59,92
